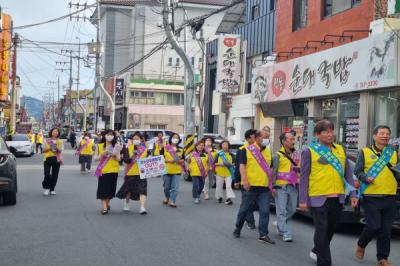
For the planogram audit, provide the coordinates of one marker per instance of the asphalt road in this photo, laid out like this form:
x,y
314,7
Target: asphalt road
x,y
68,229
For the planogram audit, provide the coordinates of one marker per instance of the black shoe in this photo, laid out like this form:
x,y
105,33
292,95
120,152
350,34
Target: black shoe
x,y
220,200
104,212
228,202
251,226
108,208
236,233
266,239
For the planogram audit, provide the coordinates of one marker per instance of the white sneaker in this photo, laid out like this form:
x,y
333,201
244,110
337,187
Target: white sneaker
x,y
275,223
53,193
142,211
88,171
313,256
46,192
126,207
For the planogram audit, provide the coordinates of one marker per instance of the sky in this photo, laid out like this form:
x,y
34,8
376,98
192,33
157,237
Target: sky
x,y
37,66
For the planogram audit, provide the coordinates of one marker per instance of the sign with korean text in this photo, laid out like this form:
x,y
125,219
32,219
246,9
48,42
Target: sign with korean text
x,y
151,167
228,65
361,65
119,91
5,43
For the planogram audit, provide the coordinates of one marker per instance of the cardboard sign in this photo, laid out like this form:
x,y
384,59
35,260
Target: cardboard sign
x,y
152,167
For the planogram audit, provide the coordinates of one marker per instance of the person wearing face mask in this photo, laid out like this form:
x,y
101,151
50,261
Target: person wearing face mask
x,y
210,179
108,156
134,188
224,173
256,186
325,176
285,175
378,188
85,152
52,149
249,136
174,162
198,168
159,143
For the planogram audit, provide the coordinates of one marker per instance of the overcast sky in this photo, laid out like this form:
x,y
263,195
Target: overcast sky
x,y
36,66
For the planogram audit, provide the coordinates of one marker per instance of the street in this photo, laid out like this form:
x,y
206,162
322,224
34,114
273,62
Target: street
x,y
67,229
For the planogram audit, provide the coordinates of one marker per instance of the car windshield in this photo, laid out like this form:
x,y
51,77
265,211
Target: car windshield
x,y
19,137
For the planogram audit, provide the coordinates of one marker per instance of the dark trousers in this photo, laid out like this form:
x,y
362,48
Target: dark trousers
x,y
50,179
250,216
379,215
325,219
86,162
262,196
198,185
38,146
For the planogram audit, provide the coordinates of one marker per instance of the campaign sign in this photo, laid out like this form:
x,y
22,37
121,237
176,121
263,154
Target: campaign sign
x,y
152,167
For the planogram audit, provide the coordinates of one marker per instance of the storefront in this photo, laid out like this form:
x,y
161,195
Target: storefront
x,y
356,86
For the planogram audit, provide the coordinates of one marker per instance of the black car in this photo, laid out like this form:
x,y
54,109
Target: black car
x,y
8,175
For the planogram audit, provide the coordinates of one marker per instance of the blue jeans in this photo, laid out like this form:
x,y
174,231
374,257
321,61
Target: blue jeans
x,y
171,186
262,196
198,185
286,203
250,216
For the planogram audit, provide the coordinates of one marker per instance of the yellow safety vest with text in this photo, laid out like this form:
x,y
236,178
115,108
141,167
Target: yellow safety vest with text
x,y
173,168
88,150
255,174
223,171
112,165
50,153
135,168
283,167
194,168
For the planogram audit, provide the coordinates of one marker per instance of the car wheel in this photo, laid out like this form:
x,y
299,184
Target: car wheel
x,y
10,198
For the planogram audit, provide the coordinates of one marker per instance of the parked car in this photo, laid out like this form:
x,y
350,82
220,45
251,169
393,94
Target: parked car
x,y
8,175
20,144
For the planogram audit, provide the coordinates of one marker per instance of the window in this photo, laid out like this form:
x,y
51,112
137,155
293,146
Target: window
x,y
192,60
150,94
144,94
299,14
332,7
200,60
178,61
201,33
255,12
170,61
271,5
155,126
135,93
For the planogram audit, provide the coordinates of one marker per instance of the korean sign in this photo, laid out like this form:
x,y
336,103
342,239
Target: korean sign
x,y
119,92
152,167
365,64
228,66
5,43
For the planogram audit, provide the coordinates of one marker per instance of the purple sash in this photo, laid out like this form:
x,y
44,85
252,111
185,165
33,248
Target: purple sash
x,y
169,148
261,162
210,159
134,158
104,161
200,164
81,148
291,177
59,156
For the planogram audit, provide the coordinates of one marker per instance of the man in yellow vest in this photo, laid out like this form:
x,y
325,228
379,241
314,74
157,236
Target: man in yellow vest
x,y
378,188
256,185
325,176
39,141
285,174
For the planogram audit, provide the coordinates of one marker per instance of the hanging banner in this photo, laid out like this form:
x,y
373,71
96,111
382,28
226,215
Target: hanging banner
x,y
5,43
361,65
228,65
119,92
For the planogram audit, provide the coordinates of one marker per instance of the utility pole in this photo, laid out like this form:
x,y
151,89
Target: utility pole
x,y
14,83
190,92
77,87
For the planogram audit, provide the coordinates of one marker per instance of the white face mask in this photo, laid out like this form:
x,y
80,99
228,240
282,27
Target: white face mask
x,y
265,142
136,142
175,141
109,138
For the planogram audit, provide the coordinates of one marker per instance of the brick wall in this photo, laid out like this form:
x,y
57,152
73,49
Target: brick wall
x,y
357,18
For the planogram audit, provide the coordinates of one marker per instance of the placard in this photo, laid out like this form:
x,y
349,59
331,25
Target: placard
x,y
152,167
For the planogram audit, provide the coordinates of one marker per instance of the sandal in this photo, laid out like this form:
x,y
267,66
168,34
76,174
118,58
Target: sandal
x,y
171,204
165,201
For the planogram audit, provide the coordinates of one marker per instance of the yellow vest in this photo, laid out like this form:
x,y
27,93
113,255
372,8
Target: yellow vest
x,y
324,179
223,171
255,174
173,168
39,139
194,168
50,153
31,137
284,167
385,183
112,166
135,168
88,150
157,150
